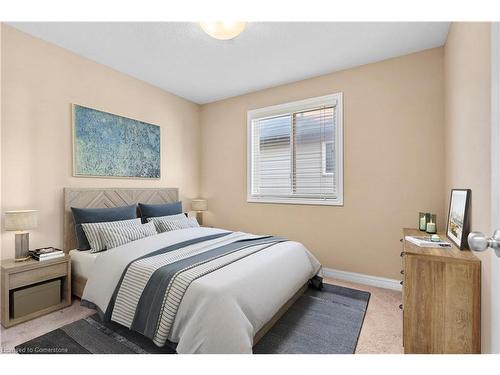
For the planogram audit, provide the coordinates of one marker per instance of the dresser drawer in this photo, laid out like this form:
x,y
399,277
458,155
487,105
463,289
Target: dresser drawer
x,y
23,278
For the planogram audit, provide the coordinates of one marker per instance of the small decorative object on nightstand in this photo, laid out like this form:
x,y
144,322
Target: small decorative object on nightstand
x,y
199,205
431,225
423,219
31,289
20,221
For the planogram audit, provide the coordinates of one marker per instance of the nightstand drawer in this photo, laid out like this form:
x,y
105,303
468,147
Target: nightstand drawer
x,y
19,279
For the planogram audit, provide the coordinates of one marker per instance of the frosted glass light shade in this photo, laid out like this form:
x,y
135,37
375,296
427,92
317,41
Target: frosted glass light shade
x,y
20,220
199,205
223,30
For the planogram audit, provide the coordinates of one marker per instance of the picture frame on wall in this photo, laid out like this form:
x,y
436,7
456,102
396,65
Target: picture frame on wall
x,y
458,224
107,145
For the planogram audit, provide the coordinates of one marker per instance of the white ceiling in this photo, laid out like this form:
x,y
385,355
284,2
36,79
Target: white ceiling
x,y
180,58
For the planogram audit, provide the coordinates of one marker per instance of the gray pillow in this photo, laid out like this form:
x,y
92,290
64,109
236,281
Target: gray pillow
x,y
98,215
173,222
92,232
156,220
156,210
114,237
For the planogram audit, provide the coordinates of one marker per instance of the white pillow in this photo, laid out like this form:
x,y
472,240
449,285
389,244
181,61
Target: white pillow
x,y
92,231
173,222
114,237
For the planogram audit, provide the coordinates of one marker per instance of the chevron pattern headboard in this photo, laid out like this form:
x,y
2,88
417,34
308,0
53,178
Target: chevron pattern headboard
x,y
108,197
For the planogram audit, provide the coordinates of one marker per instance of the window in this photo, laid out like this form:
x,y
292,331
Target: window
x,y
295,152
327,158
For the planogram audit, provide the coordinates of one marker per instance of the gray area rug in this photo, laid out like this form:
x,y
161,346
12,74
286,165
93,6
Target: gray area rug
x,y
319,322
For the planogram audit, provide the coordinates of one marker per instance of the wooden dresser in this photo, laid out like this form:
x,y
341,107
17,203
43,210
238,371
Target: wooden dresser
x,y
441,299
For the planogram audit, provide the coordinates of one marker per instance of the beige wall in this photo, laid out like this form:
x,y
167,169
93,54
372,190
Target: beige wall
x,y
467,134
39,83
393,163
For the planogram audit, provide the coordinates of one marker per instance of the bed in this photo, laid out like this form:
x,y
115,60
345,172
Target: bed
x,y
225,310
82,261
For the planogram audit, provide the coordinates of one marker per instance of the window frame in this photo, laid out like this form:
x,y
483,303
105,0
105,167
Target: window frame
x,y
336,100
323,158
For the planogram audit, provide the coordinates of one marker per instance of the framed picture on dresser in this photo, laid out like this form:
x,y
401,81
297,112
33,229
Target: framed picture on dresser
x,y
458,224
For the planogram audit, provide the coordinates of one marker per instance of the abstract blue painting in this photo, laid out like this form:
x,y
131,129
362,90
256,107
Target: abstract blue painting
x,y
108,145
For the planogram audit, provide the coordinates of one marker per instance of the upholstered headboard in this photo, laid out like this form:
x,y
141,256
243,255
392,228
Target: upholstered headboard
x,y
108,197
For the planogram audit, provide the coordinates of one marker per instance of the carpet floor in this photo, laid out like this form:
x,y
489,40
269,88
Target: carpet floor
x,y
319,322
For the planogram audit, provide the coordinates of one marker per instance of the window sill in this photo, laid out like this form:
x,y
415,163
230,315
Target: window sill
x,y
300,201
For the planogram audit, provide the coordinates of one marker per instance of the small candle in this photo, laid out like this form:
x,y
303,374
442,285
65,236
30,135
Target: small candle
x,y
435,238
431,227
423,223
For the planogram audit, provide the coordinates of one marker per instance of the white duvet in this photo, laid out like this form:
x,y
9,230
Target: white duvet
x,y
222,311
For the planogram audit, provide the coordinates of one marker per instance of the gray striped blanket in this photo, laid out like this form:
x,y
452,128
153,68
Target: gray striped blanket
x,y
151,288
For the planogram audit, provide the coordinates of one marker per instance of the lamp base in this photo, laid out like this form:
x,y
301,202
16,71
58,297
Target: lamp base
x,y
22,247
199,217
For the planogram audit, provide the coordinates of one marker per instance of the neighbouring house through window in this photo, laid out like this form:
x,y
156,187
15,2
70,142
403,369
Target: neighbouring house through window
x,y
295,152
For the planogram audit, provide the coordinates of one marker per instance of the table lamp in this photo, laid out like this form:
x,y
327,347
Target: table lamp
x,y
20,221
199,205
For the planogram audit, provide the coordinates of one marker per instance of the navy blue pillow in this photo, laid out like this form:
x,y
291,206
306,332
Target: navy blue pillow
x,y
98,215
155,210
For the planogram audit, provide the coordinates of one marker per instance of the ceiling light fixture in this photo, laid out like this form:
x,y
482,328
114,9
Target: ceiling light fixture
x,y
223,30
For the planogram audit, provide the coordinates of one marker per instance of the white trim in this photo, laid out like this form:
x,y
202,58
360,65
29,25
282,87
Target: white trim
x,y
323,158
380,282
495,183
296,106
295,200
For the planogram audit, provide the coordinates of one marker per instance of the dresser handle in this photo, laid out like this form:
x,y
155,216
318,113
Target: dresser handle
x,y
401,307
400,240
401,282
402,254
402,272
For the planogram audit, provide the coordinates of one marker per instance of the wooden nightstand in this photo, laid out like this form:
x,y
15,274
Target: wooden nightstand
x,y
18,275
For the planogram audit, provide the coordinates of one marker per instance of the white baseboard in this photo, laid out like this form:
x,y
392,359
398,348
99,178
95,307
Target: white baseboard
x,y
360,278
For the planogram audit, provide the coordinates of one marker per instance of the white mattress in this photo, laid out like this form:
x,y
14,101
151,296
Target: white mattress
x,y
82,262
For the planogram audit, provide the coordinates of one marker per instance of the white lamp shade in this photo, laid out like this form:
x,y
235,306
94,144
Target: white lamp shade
x,y
199,205
223,30
20,220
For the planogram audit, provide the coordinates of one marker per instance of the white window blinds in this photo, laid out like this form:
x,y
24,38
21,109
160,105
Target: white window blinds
x,y
295,152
